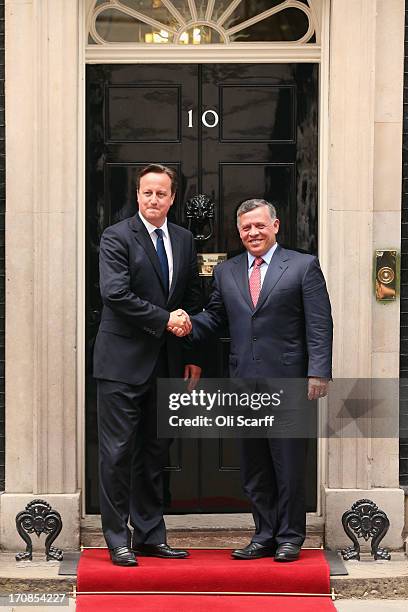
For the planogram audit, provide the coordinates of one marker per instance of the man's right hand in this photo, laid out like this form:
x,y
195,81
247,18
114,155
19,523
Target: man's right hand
x,y
179,323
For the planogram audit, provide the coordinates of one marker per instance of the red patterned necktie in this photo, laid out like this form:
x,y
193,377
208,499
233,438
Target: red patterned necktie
x,y
255,280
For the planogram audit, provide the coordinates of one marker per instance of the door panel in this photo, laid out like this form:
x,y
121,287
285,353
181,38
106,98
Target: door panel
x,y
263,145
239,122
143,114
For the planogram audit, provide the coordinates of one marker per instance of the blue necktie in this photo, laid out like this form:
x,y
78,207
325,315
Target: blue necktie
x,y
161,254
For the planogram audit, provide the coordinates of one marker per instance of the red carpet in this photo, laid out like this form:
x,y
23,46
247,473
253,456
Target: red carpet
x,y
204,603
204,571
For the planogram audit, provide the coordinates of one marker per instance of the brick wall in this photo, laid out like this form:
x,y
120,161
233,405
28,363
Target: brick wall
x,y
2,262
404,281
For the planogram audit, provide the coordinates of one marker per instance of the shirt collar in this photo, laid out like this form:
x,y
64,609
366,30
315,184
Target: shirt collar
x,y
151,228
267,257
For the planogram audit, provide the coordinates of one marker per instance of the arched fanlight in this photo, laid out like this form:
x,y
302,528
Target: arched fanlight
x,y
195,22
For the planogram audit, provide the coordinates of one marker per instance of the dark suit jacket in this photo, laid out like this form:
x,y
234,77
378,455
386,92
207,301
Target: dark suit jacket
x,y
135,307
288,334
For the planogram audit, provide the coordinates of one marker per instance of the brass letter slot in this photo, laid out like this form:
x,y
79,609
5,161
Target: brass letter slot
x,y
208,261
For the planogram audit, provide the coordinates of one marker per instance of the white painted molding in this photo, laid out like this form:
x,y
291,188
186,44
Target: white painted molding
x,y
324,227
81,268
319,9
219,53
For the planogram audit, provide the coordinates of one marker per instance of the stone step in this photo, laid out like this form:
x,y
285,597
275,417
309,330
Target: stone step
x,y
36,576
369,579
205,530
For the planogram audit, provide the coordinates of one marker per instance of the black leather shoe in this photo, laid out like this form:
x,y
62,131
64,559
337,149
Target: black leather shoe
x,y
287,552
163,551
122,555
253,551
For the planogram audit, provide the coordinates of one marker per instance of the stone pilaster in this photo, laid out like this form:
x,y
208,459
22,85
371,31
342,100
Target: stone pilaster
x,y
41,261
366,75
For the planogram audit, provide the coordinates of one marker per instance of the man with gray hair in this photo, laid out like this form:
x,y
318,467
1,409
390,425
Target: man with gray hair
x,y
277,307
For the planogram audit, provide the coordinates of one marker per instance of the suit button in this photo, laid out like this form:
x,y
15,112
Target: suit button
x,y
254,338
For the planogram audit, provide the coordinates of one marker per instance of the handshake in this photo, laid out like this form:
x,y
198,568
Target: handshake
x,y
179,323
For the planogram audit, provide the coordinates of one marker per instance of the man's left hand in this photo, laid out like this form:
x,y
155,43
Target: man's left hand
x,y
318,388
192,373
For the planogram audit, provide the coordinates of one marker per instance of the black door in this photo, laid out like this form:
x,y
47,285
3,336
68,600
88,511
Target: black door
x,y
231,131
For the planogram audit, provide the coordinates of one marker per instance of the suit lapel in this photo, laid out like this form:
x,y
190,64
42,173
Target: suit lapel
x,y
276,268
240,274
176,251
143,238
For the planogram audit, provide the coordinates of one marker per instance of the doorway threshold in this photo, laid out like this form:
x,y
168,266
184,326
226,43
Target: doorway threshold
x,y
205,530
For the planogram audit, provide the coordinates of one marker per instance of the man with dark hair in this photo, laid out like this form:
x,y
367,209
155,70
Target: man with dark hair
x,y
149,282
278,311
158,169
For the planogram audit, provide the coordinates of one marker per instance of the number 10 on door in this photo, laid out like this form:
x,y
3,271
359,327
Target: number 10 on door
x,y
209,118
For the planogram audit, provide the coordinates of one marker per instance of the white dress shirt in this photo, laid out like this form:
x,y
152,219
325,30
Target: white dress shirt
x,y
266,261
166,240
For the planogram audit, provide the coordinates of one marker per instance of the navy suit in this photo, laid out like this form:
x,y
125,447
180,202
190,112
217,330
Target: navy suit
x,y
132,349
287,335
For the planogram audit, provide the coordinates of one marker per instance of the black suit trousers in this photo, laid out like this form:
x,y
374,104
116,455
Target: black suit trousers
x,y
273,477
131,460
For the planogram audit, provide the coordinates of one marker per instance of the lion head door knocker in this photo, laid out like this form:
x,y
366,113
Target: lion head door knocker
x,y
38,517
200,214
366,521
